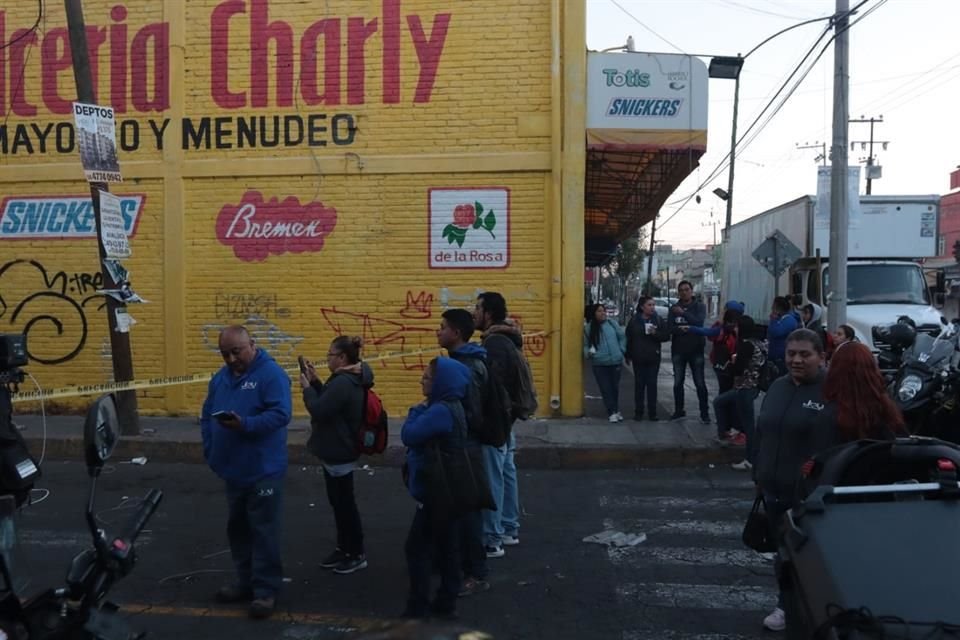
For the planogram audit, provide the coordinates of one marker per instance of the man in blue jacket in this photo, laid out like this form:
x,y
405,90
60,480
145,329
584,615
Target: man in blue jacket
x,y
686,349
244,427
783,321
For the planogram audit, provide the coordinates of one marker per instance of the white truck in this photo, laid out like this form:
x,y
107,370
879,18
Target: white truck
x,y
889,238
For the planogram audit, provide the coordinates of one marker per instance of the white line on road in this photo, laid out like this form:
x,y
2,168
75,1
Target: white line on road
x,y
645,555
652,527
699,596
675,504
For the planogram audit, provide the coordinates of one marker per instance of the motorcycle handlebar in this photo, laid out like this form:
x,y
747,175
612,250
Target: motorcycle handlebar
x,y
141,516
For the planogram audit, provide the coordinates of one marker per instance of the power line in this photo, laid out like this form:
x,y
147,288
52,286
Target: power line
x,y
747,7
637,20
30,31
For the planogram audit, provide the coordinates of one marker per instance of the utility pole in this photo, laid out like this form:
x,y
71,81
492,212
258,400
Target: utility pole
x,y
839,214
653,232
872,121
822,157
119,341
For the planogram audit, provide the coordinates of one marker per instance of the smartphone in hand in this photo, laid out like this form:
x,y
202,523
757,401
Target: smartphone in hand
x,y
221,416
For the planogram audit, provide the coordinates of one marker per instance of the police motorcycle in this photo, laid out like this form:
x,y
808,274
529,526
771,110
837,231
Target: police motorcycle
x,y
80,609
926,388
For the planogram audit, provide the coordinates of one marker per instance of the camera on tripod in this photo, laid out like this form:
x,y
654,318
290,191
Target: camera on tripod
x,y
13,355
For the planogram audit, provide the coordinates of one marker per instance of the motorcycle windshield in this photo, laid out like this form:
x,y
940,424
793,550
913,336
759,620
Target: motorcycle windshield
x,y
928,351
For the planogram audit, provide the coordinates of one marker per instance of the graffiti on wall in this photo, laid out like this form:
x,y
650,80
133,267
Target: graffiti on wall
x,y
418,306
382,335
49,307
227,305
267,335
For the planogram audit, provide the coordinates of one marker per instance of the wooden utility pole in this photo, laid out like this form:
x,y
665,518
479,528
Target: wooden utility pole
x,y
119,341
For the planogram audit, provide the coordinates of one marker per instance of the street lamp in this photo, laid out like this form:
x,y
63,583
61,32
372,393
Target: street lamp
x,y
728,68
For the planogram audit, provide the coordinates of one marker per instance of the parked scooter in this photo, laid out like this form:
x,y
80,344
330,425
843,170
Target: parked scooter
x,y
927,385
78,610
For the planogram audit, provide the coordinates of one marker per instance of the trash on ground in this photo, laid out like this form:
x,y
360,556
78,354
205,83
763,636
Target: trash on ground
x,y
613,538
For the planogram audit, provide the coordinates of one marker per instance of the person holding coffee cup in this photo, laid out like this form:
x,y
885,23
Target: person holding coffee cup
x,y
646,333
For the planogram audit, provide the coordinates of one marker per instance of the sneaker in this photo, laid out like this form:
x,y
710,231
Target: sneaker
x,y
334,559
471,586
231,594
776,621
743,465
612,418
509,541
677,415
739,440
262,608
618,416
351,564
494,551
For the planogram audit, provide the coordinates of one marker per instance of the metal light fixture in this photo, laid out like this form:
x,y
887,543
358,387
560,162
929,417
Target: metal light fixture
x,y
728,68
721,193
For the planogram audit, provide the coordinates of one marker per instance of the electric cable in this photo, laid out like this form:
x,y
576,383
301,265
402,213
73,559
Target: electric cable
x,y
28,32
637,20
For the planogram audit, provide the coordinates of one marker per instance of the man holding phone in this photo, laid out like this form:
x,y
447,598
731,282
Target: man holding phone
x,y
244,427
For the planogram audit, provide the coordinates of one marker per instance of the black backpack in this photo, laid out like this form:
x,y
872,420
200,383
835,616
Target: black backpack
x,y
487,411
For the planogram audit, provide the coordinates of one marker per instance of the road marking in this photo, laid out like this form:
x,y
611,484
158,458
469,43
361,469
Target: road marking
x,y
663,503
686,556
716,528
699,596
335,622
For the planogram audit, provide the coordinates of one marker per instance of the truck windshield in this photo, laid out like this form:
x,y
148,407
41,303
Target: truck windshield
x,y
883,284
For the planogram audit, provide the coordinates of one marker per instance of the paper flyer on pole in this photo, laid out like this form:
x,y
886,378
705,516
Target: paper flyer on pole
x,y
113,235
97,140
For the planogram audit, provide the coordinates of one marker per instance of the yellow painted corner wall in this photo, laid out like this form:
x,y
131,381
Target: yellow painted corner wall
x,y
480,125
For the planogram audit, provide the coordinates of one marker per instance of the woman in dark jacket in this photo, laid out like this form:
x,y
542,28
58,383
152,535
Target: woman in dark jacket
x,y
646,332
336,410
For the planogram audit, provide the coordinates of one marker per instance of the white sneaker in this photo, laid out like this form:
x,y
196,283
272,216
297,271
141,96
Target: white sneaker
x,y
613,418
742,466
776,621
509,541
619,416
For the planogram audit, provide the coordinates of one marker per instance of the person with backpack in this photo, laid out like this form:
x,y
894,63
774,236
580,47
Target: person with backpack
x,y
487,409
735,407
337,409
723,335
432,539
645,334
507,367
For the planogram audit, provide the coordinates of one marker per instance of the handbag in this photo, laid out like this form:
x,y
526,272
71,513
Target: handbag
x,y
455,480
756,532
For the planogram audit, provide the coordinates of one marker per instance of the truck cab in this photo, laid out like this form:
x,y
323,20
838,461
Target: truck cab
x,y
878,292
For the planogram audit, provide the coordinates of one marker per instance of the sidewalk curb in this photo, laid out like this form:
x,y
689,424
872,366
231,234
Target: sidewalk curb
x,y
538,456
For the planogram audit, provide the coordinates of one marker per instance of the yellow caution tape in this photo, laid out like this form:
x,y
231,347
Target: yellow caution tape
x,y
171,381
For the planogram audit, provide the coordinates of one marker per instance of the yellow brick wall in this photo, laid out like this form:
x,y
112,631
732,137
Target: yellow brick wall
x,y
491,96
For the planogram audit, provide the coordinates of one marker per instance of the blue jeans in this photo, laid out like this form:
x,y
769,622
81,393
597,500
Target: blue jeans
x,y
734,410
680,362
253,529
432,538
608,379
493,459
510,513
645,383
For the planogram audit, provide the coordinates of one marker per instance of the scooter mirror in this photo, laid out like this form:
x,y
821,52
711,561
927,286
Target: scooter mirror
x,y
100,432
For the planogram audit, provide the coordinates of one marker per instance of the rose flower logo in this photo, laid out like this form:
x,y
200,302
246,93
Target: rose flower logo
x,y
467,217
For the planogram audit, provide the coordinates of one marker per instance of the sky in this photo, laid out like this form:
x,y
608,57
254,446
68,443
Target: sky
x,y
904,66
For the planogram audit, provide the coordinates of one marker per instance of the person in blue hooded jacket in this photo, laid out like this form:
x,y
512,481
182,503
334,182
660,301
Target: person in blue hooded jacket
x,y
433,535
783,321
243,424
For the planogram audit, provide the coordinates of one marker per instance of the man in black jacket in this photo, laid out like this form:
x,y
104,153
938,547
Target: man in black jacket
x,y
687,349
503,342
645,333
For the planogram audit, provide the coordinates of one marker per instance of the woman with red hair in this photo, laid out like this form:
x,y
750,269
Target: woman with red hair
x,y
858,406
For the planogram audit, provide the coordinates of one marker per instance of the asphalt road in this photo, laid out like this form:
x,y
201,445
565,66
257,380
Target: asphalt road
x,y
689,579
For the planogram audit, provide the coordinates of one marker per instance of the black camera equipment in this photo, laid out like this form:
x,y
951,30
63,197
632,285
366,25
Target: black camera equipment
x,y
18,469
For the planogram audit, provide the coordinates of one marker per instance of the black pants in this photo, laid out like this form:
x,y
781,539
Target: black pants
x,y
473,557
645,384
345,513
432,537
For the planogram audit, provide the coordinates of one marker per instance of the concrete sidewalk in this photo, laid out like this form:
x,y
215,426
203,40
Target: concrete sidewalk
x,y
553,443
